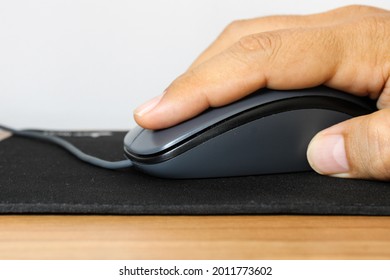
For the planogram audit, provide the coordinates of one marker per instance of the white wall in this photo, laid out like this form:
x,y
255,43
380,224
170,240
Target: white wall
x,y
77,64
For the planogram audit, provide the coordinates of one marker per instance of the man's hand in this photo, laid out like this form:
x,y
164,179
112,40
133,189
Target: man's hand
x,y
346,48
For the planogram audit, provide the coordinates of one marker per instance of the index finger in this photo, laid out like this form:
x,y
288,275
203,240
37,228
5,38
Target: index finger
x,y
271,59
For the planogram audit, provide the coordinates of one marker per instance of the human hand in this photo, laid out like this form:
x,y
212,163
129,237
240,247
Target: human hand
x,y
346,48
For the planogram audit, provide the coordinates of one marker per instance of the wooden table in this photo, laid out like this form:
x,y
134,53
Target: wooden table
x,y
194,237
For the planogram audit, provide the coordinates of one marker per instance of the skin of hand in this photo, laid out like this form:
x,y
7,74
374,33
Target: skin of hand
x,y
347,49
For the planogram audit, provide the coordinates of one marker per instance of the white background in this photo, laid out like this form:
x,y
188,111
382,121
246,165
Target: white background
x,y
86,64
281,270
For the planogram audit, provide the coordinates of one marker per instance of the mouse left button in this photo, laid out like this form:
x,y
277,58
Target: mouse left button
x,y
131,136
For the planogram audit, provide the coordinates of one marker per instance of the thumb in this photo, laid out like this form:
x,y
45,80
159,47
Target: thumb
x,y
357,148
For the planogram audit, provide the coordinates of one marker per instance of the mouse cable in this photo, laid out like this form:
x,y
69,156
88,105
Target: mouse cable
x,y
70,148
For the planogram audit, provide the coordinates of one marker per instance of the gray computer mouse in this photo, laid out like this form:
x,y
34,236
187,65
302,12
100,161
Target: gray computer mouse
x,y
267,132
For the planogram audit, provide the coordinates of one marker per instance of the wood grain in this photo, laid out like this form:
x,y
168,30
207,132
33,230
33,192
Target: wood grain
x,y
194,237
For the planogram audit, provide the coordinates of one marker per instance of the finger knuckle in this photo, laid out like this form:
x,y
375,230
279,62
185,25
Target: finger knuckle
x,y
235,27
267,43
375,23
360,9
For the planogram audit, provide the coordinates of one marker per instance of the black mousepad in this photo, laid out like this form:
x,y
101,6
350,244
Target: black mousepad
x,y
38,177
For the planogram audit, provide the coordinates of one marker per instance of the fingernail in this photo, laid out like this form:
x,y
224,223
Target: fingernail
x,y
326,155
148,106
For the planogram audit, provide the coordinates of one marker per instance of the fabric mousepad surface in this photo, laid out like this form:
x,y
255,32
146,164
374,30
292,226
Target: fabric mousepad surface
x,y
37,177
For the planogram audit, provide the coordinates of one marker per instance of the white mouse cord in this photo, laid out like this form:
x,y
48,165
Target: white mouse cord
x,y
70,148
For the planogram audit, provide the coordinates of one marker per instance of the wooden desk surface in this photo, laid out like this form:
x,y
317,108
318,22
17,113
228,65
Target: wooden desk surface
x,y
194,237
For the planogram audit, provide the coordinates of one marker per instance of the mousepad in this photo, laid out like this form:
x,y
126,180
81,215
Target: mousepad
x,y
37,177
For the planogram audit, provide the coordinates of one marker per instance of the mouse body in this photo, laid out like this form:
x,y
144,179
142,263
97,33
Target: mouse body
x,y
264,133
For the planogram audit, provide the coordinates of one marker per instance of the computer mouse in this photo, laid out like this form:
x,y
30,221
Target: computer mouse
x,y
267,132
